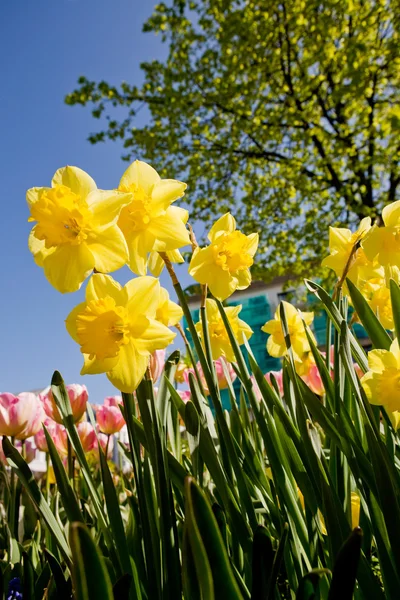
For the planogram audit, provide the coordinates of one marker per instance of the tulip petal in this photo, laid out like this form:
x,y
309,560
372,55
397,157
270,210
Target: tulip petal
x,y
76,179
130,369
109,249
68,266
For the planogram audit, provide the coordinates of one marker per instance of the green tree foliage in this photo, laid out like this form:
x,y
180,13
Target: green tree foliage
x,y
285,112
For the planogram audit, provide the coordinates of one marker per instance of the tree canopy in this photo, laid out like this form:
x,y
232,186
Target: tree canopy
x,y
285,112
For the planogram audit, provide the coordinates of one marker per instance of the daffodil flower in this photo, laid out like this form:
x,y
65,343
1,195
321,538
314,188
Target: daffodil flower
x,y
149,222
156,263
382,382
219,340
168,313
383,243
225,264
344,254
76,229
378,297
117,329
276,345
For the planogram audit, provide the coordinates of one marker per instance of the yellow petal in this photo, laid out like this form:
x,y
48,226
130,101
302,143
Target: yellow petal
x,y
276,348
165,192
33,194
155,263
355,509
211,309
394,349
371,383
395,419
225,224
77,180
129,370
175,313
170,230
374,241
290,311
140,174
38,248
70,321
95,366
201,263
155,336
109,249
391,214
339,237
140,243
106,206
68,266
308,317
221,283
143,295
252,243
100,286
379,360
243,279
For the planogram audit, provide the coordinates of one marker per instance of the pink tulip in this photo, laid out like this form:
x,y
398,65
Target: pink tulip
x,y
157,362
40,438
36,417
278,378
220,372
29,451
314,381
78,396
185,395
104,441
15,412
109,417
60,439
87,435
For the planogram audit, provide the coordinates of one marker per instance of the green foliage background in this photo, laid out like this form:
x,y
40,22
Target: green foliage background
x,y
288,110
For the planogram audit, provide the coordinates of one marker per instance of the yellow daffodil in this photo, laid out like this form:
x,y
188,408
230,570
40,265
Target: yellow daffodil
x,y
382,382
168,313
355,511
117,329
149,222
225,264
276,342
219,340
76,229
383,243
343,252
156,263
378,297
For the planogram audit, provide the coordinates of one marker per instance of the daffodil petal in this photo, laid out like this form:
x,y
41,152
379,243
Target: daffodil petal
x,y
70,321
165,192
170,230
68,266
143,295
391,214
100,286
109,249
140,174
201,264
155,264
106,206
379,360
95,366
155,337
38,248
222,284
140,243
76,179
33,194
225,224
129,370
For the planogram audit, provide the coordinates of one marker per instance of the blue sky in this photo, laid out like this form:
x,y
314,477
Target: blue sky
x,y
45,46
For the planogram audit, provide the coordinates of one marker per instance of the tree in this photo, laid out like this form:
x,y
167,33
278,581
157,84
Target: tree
x,y
285,112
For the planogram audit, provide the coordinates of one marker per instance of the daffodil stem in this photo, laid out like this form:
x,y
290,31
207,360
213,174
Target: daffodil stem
x,y
47,476
206,333
192,358
13,491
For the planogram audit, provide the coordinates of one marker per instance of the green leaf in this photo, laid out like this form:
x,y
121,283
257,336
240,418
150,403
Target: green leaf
x,y
376,332
395,300
345,568
263,559
308,585
89,572
26,477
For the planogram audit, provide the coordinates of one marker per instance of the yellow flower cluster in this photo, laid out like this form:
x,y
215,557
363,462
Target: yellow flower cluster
x,y
80,231
370,257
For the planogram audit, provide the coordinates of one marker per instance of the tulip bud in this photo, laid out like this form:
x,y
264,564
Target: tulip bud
x,y
40,438
78,396
157,362
36,416
109,417
15,412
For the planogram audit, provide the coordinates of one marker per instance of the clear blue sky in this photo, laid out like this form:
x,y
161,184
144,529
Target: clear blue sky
x,y
45,46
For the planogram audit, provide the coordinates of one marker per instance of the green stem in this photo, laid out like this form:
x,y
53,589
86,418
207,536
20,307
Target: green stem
x,y
108,441
70,461
47,476
13,492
